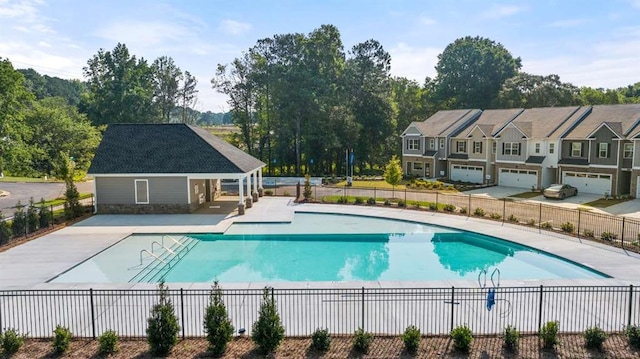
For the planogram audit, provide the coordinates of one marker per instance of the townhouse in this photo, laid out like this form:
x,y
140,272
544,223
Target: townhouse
x,y
473,151
597,155
527,147
425,146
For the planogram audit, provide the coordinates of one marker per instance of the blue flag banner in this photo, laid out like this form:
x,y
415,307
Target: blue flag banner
x,y
351,158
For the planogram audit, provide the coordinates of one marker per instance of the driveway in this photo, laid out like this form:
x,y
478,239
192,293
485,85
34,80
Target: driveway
x,y
504,192
21,191
627,209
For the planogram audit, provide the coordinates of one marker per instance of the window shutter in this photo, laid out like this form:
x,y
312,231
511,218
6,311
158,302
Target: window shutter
x,y
518,149
581,149
480,147
608,150
503,148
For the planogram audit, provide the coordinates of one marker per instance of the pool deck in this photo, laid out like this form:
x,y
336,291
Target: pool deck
x,y
30,265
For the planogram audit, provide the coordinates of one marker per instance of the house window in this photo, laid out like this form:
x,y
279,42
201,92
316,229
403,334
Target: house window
x,y
628,150
552,148
461,146
432,143
576,149
603,150
442,143
537,148
417,166
511,149
413,144
142,191
494,147
477,147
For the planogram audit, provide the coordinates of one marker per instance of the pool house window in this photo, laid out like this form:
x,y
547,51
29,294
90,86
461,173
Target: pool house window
x,y
142,191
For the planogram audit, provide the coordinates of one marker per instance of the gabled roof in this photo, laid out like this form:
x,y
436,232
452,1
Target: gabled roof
x,y
542,122
446,122
626,118
492,121
571,123
167,148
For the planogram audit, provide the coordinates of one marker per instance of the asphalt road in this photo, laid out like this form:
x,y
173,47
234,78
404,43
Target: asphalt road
x,y
21,191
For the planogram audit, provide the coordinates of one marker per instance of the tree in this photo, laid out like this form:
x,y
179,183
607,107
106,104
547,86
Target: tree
x,y
217,325
393,172
528,91
188,96
162,325
268,331
167,78
72,206
471,71
5,231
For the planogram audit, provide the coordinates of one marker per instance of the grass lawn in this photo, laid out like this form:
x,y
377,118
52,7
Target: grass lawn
x,y
60,201
604,203
28,179
373,184
527,194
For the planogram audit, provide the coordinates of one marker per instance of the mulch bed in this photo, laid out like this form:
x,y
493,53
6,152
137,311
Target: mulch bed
x,y
571,346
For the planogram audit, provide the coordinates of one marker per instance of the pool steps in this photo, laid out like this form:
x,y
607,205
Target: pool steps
x,y
162,263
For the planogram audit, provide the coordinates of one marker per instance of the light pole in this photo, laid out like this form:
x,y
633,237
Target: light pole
x,y
270,160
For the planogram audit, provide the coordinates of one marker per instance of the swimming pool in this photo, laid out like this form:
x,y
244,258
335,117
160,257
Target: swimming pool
x,y
321,247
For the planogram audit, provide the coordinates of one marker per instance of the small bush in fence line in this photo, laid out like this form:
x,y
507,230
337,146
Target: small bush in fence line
x,y
371,201
359,200
387,202
531,222
462,338
108,343
32,219
162,325
307,192
511,338
549,334
588,233
61,339
608,236
594,338
343,200
286,194
546,225
632,332
416,204
495,216
479,212
567,227
321,340
11,341
19,222
5,231
512,218
362,340
463,210
449,208
268,192
411,339
268,331
217,325
401,203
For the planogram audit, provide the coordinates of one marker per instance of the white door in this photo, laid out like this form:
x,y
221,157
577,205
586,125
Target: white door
x,y
471,174
517,178
596,183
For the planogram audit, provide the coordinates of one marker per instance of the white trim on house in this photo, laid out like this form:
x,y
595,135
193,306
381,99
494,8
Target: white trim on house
x,y
135,191
236,175
600,166
188,190
599,127
413,155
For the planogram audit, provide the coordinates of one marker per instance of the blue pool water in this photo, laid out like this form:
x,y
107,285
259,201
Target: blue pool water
x,y
332,248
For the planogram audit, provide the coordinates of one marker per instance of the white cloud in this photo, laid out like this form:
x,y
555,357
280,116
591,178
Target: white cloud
x,y
415,63
25,10
234,27
23,55
568,23
500,11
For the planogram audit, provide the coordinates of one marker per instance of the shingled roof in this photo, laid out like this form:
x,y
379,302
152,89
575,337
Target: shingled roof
x,y
446,122
167,148
490,121
622,119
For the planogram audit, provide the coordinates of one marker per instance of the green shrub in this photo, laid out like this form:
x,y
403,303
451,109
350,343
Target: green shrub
x,y
5,231
417,204
632,332
433,206
608,236
44,215
343,200
72,206
19,222
588,233
217,325
411,339
31,217
162,325
359,200
511,338
362,340
567,227
286,194
268,331
400,203
371,201
546,225
108,342
11,341
462,338
387,202
549,334
268,192
479,212
61,339
531,222
594,338
463,210
495,216
321,340
449,208
512,218
307,193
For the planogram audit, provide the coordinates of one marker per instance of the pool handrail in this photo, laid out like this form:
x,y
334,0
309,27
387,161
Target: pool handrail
x,y
165,248
151,254
173,239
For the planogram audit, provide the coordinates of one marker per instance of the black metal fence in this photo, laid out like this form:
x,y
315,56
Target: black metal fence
x,y
89,313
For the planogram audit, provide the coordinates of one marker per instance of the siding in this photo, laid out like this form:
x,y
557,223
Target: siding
x,y
477,136
511,135
636,153
120,190
566,149
604,135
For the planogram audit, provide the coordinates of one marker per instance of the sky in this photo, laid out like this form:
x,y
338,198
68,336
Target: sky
x,y
592,43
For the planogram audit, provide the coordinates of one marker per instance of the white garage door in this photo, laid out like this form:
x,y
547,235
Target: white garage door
x,y
596,183
469,174
518,178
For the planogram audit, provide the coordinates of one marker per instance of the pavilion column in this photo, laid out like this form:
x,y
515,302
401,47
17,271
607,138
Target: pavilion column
x,y
241,197
260,188
254,193
249,202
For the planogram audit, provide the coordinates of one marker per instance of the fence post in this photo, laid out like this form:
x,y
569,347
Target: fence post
x,y
182,310
315,192
275,187
405,197
579,215
540,310
504,209
362,308
375,198
630,312
622,235
436,200
344,191
453,297
93,314
52,216
540,220
469,209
